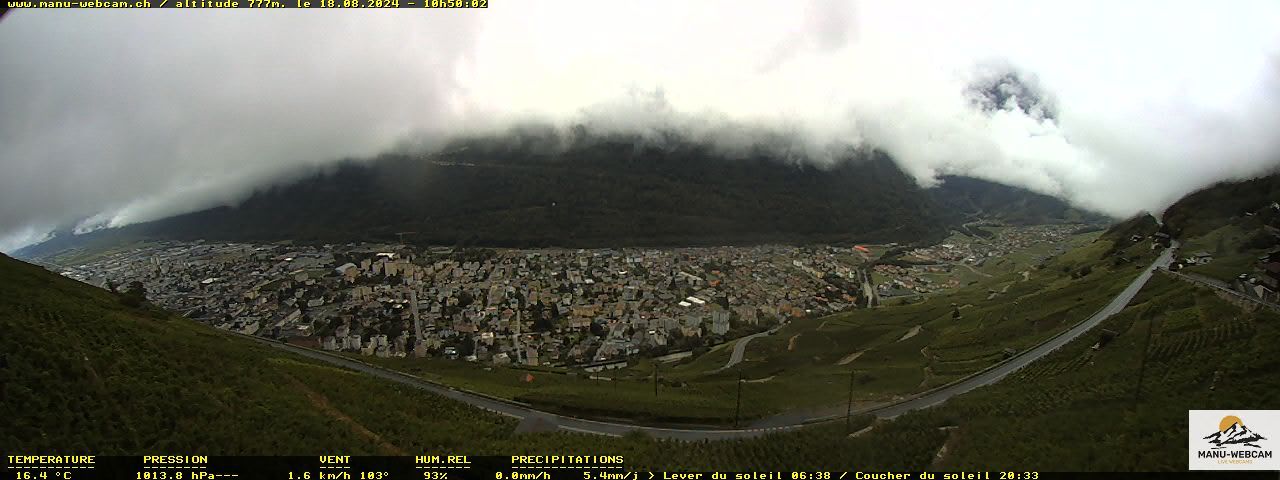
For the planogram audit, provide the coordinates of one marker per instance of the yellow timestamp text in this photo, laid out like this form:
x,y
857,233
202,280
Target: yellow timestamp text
x,y
455,3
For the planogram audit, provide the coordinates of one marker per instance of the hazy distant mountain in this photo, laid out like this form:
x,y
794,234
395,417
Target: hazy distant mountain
x,y
528,191
994,201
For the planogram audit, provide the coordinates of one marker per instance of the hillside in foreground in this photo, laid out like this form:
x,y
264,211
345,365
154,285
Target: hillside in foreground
x,y
1093,409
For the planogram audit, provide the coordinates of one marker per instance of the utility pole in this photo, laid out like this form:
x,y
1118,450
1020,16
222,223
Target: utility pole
x,y
848,412
737,411
519,320
419,347
655,379
1142,366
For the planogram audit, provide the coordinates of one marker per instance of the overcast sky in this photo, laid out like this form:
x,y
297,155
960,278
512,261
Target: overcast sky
x,y
109,117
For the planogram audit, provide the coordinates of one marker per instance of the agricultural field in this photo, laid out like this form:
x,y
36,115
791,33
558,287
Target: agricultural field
x,y
79,256
1102,405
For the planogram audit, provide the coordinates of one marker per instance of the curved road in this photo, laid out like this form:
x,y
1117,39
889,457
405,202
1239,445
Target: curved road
x,y
741,347
781,422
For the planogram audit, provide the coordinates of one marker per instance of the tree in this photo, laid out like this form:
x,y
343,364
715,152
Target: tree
x,y
135,296
675,334
1260,241
542,323
467,346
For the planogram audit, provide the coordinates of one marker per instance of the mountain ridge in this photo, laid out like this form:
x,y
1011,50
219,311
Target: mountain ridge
x,y
620,192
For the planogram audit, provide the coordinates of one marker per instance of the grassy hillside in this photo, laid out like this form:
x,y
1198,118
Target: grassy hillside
x,y
1236,222
1142,224
1203,353
1203,211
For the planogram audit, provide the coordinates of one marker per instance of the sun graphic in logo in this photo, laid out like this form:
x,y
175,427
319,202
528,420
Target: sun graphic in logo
x,y
1228,421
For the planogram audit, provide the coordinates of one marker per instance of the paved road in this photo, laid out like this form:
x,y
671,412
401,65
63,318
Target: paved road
x,y
741,347
974,270
781,422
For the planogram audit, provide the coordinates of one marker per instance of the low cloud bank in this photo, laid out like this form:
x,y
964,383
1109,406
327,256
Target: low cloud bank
x,y
126,116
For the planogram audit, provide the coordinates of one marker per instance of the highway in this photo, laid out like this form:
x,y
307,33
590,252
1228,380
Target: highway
x,y
777,423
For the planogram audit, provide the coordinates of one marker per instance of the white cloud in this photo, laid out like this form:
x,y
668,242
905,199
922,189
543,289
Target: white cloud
x,y
140,114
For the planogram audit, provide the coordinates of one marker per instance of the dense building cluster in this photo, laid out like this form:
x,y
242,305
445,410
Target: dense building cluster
x,y
545,306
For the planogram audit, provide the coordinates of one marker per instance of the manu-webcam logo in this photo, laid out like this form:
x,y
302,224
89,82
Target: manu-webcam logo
x,y
1233,444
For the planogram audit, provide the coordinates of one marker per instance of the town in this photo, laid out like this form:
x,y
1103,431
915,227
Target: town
x,y
560,307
